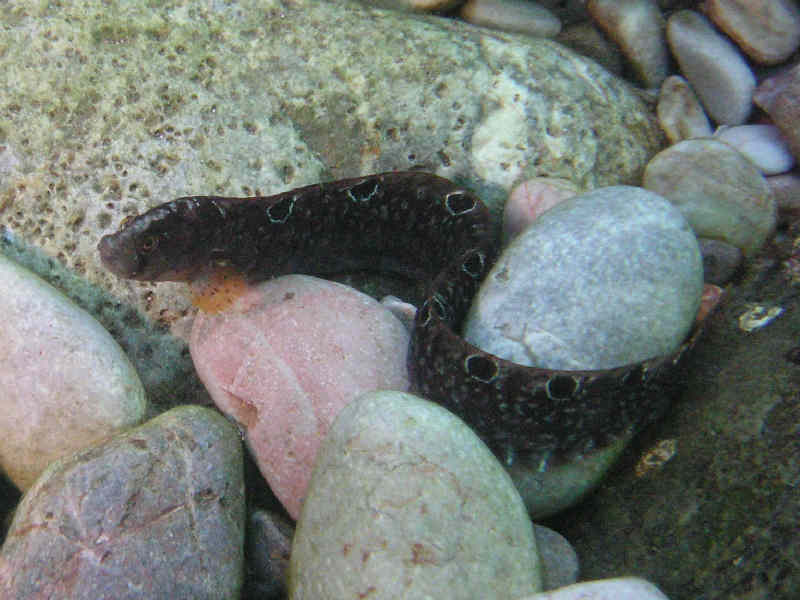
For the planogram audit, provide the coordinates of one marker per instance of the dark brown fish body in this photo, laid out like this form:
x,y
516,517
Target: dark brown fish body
x,y
426,227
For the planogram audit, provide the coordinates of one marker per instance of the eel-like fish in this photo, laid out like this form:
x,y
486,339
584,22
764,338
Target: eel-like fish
x,y
423,226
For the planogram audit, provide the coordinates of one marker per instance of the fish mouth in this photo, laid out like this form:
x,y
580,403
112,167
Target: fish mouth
x,y
118,256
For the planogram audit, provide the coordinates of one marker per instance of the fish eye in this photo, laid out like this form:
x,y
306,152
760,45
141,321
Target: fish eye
x,y
149,243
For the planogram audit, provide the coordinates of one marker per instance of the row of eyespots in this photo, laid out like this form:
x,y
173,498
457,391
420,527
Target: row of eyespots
x,y
485,368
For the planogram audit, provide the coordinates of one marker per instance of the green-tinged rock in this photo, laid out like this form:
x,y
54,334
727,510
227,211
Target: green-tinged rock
x,y
406,501
720,192
157,512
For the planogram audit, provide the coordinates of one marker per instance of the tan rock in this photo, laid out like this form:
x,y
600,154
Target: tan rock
x,y
768,31
586,38
719,191
680,113
638,27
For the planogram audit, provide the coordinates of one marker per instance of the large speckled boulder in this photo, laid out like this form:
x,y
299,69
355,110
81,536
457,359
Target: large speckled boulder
x,y
157,512
604,279
64,382
406,502
113,108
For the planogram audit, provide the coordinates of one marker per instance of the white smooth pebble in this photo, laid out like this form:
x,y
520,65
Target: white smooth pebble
x,y
764,145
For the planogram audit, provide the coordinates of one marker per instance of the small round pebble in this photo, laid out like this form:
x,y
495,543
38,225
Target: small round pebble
x,y
517,16
407,502
720,260
719,191
767,30
530,199
638,28
680,113
713,65
604,279
422,6
65,381
786,189
621,588
764,145
155,512
285,358
269,544
559,560
404,311
586,38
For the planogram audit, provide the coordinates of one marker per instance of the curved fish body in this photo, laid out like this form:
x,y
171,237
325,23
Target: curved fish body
x,y
425,227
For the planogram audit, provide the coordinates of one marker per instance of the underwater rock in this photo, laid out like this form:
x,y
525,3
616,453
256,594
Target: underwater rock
x,y
604,279
621,588
406,501
768,31
713,65
512,15
764,145
66,382
285,359
638,29
155,512
679,111
720,191
528,200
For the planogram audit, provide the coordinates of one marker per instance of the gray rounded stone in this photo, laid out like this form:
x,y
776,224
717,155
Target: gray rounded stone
x,y
406,502
604,279
156,512
719,191
559,559
713,65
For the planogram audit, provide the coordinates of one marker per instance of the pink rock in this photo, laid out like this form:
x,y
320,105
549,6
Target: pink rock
x,y
530,199
285,358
